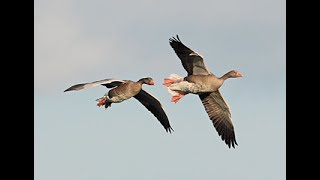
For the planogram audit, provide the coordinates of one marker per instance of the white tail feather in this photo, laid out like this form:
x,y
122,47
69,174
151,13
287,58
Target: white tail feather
x,y
176,78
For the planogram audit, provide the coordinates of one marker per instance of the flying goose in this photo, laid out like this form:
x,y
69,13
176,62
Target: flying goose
x,y
125,89
205,84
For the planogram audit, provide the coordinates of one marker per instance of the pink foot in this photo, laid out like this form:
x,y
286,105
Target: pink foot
x,y
101,102
177,97
168,82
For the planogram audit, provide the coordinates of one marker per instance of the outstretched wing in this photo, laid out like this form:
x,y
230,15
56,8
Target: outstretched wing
x,y
155,107
109,83
219,114
191,60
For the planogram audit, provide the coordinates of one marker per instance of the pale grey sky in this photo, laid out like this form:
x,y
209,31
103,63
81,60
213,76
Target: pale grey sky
x,y
81,41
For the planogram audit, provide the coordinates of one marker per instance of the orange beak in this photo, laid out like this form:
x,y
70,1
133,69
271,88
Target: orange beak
x,y
238,74
151,82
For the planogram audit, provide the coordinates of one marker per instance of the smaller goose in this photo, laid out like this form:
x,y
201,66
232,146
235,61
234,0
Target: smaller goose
x,y
202,82
125,89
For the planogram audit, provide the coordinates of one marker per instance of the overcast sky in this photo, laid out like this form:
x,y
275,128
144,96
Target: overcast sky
x,y
80,41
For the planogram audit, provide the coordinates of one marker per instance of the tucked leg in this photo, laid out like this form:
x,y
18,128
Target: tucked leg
x,y
101,101
177,97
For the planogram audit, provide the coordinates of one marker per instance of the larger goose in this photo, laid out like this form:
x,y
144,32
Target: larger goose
x,y
125,89
202,82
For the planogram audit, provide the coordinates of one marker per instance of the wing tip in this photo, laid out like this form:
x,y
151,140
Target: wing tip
x,y
169,129
174,39
228,137
69,89
231,142
74,88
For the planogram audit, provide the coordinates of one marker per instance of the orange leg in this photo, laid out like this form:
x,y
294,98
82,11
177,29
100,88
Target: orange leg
x,y
101,102
177,97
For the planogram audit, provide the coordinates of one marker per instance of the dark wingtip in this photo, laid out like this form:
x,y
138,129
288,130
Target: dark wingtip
x,y
174,39
75,87
72,88
67,90
232,143
169,129
178,38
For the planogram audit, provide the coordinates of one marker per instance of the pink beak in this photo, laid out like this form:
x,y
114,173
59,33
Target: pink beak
x,y
151,82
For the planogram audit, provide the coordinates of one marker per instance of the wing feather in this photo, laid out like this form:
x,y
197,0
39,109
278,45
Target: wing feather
x,y
106,82
155,107
219,114
191,60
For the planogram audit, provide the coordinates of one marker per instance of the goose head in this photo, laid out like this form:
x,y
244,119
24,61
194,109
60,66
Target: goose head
x,y
147,80
231,74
